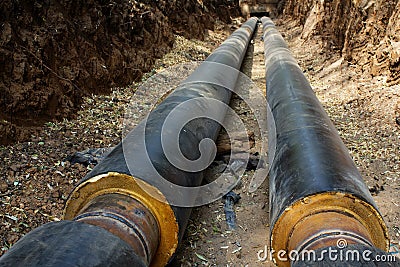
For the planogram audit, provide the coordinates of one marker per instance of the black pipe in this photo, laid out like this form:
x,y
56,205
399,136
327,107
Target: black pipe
x,y
68,243
317,195
128,193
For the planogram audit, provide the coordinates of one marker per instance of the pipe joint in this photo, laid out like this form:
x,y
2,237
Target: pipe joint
x,y
328,219
130,209
126,218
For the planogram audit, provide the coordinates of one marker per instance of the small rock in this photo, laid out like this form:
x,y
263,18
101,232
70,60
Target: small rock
x,y
14,167
11,179
3,186
56,194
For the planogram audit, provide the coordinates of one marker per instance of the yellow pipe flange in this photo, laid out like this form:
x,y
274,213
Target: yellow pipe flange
x,y
113,182
343,203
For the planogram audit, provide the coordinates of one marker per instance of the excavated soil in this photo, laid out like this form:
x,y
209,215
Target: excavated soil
x,y
365,33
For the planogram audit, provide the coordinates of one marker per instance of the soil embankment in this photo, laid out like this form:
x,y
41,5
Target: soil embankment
x,y
52,53
366,33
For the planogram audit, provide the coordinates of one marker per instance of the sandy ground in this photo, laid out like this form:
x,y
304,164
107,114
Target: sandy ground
x,y
35,181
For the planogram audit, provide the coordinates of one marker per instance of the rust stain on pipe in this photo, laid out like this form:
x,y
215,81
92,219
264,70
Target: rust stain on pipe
x,y
126,218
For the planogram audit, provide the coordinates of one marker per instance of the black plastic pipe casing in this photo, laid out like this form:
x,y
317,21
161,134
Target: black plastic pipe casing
x,y
67,243
312,171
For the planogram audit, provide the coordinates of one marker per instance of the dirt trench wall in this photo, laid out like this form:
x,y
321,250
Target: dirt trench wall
x,y
199,14
365,31
52,53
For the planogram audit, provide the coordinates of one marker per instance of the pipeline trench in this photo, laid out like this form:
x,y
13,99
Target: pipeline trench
x,y
239,247
208,240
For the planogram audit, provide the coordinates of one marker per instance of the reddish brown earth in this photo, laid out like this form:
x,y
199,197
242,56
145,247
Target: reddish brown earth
x,y
365,33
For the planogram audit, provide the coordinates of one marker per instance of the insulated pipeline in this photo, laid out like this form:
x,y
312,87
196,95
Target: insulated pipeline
x,y
317,195
124,212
